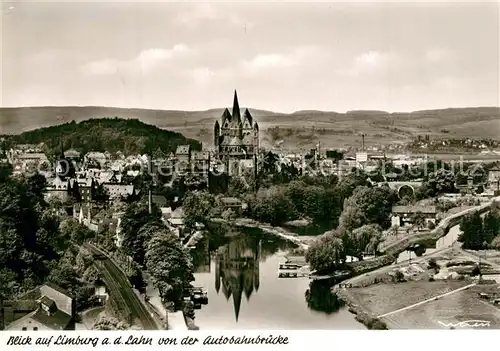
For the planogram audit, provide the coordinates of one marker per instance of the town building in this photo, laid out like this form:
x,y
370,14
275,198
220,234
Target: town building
x,y
403,215
236,140
494,178
47,307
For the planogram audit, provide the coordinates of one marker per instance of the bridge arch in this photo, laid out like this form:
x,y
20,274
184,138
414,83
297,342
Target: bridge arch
x,y
406,190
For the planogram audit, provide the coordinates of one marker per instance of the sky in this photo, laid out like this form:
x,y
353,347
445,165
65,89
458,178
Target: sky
x,y
280,56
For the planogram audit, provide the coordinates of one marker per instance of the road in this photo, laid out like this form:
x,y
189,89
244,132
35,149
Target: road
x,y
386,269
444,224
119,286
478,256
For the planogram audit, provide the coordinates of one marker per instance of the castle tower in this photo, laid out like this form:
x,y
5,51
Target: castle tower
x,y
236,109
256,137
216,135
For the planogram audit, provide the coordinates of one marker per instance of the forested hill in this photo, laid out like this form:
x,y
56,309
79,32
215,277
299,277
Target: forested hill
x,y
129,136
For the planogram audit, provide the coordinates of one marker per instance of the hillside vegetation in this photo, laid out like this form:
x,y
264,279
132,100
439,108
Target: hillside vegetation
x,y
129,136
301,128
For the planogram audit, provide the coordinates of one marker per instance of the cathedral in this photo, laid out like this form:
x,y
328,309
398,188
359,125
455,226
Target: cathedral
x,y
236,139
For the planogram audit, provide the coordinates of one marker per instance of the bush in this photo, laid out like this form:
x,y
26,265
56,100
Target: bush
x,y
399,277
433,264
375,324
476,271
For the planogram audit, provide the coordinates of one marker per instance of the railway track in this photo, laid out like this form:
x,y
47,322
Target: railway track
x,y
121,290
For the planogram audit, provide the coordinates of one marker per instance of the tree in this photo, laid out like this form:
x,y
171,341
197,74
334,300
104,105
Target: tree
x,y
364,239
198,205
272,206
135,217
418,220
35,186
326,253
367,206
491,226
5,171
441,181
347,185
237,186
472,231
170,266
352,217
76,232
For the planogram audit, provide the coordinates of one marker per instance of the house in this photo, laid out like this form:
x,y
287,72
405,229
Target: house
x,y
109,177
47,307
72,154
84,213
120,191
494,178
29,162
98,158
85,187
176,219
159,200
201,162
402,215
183,153
232,203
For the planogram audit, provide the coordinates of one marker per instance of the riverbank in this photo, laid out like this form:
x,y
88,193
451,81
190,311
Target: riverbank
x,y
281,232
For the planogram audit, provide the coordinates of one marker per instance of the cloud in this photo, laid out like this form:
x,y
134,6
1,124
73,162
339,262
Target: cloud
x,y
437,55
271,60
102,67
370,62
201,75
301,55
146,61
199,13
369,59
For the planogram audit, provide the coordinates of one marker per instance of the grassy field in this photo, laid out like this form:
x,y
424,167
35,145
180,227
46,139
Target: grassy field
x,y
462,306
301,129
384,298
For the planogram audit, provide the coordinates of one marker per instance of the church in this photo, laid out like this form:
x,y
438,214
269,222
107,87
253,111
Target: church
x,y
236,140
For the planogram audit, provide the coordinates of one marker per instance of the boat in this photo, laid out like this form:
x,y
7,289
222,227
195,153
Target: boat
x,y
199,295
288,270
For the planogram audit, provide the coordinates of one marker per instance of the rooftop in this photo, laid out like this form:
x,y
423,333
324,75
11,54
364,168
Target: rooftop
x,y
414,209
183,150
56,321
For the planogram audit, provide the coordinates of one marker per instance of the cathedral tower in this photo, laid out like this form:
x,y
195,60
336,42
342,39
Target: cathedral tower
x,y
236,138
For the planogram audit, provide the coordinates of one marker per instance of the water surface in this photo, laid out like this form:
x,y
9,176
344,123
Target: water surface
x,y
240,273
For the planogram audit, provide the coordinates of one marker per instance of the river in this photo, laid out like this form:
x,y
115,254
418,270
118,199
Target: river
x,y
239,270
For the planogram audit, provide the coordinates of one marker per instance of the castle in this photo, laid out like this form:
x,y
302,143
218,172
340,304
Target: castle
x,y
236,140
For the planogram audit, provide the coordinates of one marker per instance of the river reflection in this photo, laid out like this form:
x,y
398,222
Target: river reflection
x,y
240,273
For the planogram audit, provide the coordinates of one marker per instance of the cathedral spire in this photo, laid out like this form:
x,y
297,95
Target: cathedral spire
x,y
236,108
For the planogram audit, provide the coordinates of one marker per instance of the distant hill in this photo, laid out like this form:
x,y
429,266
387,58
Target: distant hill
x,y
302,129
130,136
